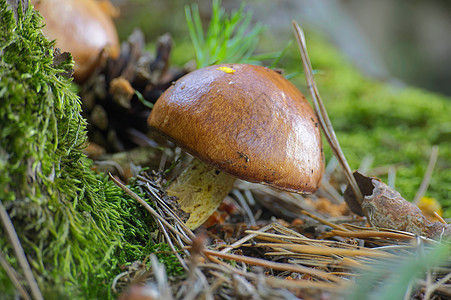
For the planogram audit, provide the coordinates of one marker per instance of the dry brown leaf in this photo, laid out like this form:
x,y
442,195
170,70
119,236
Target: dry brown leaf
x,y
387,209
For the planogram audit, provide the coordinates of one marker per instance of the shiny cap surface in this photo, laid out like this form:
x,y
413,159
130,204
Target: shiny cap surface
x,y
248,121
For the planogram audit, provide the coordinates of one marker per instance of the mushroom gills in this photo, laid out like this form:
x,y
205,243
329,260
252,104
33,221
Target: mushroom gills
x,y
200,188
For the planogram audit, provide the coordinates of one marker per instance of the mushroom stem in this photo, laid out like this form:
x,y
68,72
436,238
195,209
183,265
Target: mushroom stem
x,y
200,189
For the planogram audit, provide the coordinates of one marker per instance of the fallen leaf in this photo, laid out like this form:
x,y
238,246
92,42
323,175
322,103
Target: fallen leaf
x,y
387,209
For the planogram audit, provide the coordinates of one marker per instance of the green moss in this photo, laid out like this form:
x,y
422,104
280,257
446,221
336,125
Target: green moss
x,y
166,257
138,230
161,250
72,222
393,124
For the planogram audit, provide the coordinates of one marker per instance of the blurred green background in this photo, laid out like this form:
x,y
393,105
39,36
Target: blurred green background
x,y
380,66
392,40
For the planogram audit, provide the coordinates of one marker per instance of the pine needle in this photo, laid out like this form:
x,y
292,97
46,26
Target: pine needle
x,y
20,255
321,112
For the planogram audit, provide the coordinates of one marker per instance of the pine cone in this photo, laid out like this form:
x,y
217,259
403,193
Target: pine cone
x,y
118,96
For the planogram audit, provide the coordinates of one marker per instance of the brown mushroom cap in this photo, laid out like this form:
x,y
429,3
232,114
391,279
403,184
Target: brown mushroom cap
x,y
82,28
248,121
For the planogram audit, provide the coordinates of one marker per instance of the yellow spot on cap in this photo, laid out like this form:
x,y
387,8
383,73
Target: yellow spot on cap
x,y
226,69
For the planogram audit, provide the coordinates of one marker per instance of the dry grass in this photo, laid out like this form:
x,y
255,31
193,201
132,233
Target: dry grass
x,y
274,261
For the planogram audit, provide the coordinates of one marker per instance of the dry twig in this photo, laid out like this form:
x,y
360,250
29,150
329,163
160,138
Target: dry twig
x,y
427,176
321,112
20,255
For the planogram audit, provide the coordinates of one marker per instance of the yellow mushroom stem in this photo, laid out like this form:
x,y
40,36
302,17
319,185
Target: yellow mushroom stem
x,y
200,189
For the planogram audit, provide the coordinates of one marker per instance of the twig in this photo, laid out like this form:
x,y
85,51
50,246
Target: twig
x,y
171,245
217,284
13,276
323,221
243,287
322,115
274,281
246,238
382,170
330,168
397,233
372,234
391,177
328,191
408,291
245,206
430,288
20,255
327,262
428,283
365,164
303,284
427,176
439,218
322,250
302,240
275,266
195,275
112,163
159,271
154,213
185,230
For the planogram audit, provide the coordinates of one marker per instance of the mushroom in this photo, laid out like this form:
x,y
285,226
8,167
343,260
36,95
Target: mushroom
x,y
81,27
238,121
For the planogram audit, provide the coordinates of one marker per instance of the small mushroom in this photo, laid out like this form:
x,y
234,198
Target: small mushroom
x,y
81,27
238,121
